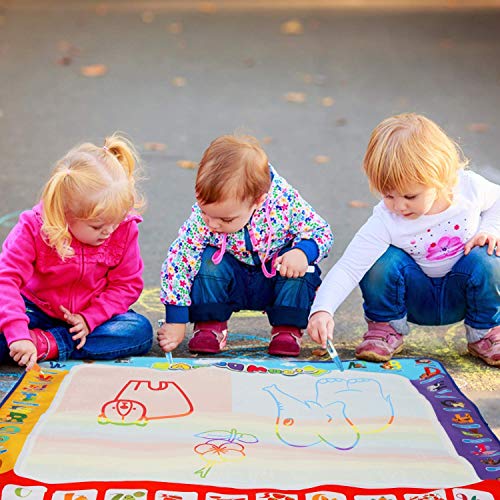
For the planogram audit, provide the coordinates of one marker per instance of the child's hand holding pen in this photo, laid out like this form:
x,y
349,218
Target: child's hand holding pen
x,y
170,335
292,264
320,327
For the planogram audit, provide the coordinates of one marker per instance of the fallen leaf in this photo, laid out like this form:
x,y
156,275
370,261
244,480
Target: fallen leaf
x,y
64,61
249,62
327,101
94,70
340,122
446,43
147,16
319,352
478,127
402,102
207,7
292,27
297,97
358,204
187,164
175,28
308,78
267,140
179,81
154,146
67,48
101,9
320,159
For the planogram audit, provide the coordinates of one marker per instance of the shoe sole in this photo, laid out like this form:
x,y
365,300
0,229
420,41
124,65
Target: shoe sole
x,y
377,358
488,361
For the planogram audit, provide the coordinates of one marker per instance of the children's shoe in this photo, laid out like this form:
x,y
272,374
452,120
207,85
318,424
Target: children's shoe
x,y
488,348
380,343
285,341
46,345
209,337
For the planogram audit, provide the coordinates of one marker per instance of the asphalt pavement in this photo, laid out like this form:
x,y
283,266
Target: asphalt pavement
x,y
310,84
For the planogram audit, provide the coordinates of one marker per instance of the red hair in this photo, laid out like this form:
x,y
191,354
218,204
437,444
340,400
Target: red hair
x,y
232,166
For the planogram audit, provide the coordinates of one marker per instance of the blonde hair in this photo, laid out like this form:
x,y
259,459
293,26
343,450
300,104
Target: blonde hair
x,y
233,166
90,182
409,148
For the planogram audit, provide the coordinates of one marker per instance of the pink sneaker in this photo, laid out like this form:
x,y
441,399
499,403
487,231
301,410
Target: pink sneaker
x,y
46,345
285,341
209,337
488,348
380,343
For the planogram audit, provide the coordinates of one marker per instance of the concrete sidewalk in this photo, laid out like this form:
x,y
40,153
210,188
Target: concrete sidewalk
x,y
180,77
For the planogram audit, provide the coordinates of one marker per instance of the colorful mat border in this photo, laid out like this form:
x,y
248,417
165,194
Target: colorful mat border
x,y
461,419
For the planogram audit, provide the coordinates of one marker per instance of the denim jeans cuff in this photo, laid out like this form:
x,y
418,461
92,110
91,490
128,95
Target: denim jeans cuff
x,y
60,334
209,312
400,325
291,316
475,334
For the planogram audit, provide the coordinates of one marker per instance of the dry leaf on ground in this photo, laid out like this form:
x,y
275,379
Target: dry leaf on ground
x,y
64,61
94,70
207,7
327,101
292,27
358,204
320,159
148,16
297,97
340,122
101,9
187,164
319,352
175,28
478,127
179,81
446,43
155,146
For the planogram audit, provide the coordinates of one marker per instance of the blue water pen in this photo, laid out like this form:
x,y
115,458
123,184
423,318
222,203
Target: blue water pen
x,y
168,355
334,355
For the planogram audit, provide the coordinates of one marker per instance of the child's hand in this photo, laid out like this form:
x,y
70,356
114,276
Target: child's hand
x,y
80,327
480,239
320,327
23,352
170,335
293,264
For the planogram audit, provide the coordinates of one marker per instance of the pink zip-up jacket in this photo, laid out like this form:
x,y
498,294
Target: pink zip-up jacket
x,y
97,282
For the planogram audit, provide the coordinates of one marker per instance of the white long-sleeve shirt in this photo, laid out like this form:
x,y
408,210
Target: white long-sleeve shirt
x,y
436,242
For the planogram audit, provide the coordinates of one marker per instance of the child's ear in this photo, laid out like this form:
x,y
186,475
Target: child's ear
x,y
260,200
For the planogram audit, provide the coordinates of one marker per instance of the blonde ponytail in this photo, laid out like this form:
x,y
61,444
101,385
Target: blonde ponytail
x,y
90,182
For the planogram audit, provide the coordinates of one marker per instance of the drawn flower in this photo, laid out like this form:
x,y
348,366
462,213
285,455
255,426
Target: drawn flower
x,y
446,247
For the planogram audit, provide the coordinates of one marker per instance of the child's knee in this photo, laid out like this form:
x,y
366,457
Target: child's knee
x,y
479,261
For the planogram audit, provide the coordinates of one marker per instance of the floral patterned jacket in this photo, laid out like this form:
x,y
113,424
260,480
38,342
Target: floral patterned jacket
x,y
284,219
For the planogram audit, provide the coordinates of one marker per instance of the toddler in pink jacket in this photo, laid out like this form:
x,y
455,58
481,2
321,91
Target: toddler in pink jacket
x,y
71,267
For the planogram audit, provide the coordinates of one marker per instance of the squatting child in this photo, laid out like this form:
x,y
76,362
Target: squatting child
x,y
247,222
429,254
71,267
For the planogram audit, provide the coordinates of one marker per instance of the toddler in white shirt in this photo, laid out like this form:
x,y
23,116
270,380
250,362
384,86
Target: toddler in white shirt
x,y
428,254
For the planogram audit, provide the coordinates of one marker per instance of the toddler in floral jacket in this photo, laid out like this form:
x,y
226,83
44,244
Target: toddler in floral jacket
x,y
251,242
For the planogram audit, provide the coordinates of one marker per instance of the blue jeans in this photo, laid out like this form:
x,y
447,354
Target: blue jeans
x,y
123,335
396,289
221,289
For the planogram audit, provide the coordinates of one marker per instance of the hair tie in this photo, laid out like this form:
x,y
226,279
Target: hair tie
x,y
105,148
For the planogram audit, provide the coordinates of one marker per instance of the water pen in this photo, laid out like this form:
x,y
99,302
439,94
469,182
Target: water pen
x,y
310,269
168,355
334,355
